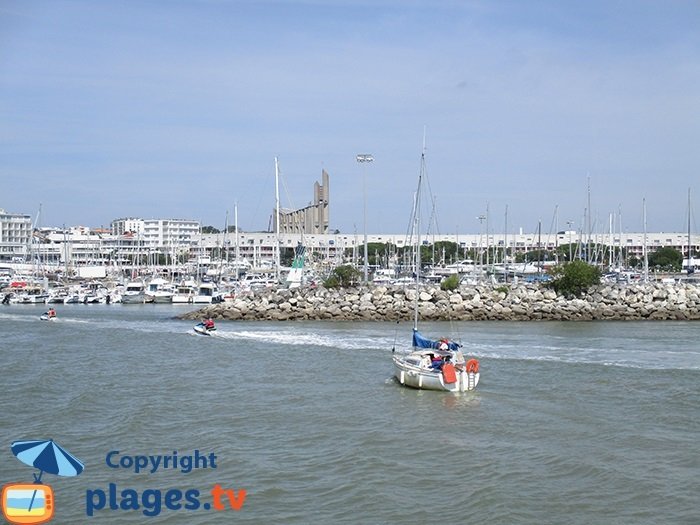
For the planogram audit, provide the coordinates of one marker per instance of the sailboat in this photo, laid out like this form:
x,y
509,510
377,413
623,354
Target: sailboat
x,y
296,274
432,364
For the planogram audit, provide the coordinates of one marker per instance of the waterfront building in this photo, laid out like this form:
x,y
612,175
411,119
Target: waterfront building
x,y
175,242
312,219
15,235
340,247
158,234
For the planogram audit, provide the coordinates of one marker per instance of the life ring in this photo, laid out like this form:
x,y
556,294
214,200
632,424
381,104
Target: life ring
x,y
472,366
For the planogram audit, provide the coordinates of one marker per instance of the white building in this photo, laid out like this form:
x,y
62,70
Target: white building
x,y
127,225
159,233
15,235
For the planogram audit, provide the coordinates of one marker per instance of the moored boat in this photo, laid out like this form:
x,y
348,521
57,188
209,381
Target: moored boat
x,y
134,294
159,290
184,292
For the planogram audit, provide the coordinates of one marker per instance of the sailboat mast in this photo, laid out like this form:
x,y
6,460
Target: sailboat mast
x,y
417,230
646,255
235,221
277,219
690,268
505,247
539,247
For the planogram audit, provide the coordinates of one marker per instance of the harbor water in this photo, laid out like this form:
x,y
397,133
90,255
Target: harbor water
x,y
576,423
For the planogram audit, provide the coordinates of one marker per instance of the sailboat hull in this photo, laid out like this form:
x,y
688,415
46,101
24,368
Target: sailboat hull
x,y
410,372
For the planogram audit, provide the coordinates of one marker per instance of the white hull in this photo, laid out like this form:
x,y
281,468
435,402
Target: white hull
x,y
419,376
137,298
162,298
33,299
199,329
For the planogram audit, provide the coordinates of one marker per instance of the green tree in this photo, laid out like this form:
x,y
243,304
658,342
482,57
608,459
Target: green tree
x,y
667,258
209,229
449,284
342,277
574,278
535,256
448,249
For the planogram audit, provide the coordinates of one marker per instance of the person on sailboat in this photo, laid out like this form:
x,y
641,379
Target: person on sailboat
x,y
436,362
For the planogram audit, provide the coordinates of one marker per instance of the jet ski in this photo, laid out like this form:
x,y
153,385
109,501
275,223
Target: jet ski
x,y
200,329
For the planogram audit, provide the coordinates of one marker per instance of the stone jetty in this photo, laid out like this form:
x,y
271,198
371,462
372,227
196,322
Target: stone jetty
x,y
518,302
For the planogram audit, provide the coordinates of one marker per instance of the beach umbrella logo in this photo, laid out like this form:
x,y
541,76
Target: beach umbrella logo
x,y
34,503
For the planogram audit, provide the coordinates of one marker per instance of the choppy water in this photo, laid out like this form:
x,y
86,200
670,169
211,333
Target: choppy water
x,y
576,423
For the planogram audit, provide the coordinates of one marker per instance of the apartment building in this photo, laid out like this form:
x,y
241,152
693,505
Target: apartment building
x,y
15,235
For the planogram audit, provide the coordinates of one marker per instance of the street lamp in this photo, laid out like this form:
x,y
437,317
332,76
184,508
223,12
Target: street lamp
x,y
363,158
481,219
569,223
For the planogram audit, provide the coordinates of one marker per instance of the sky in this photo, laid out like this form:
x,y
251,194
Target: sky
x,y
177,109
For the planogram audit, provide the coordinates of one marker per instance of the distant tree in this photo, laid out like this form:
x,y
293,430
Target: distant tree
x,y
449,284
574,278
343,277
377,252
667,258
535,256
209,229
449,249
563,251
286,256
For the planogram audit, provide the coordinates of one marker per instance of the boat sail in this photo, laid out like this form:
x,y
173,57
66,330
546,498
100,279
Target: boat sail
x,y
432,364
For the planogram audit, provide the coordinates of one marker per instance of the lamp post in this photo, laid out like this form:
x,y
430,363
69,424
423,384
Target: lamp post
x,y
481,219
569,223
364,158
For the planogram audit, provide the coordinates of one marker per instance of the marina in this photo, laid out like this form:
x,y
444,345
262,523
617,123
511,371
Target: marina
x,y
224,300
574,423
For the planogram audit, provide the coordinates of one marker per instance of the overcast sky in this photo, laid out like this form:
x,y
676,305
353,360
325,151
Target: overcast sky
x,y
177,109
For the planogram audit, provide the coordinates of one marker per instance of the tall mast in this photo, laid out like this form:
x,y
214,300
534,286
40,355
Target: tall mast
x,y
235,221
690,268
417,229
646,256
505,247
539,246
588,240
277,219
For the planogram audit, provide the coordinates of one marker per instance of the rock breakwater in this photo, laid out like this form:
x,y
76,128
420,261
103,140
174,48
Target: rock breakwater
x,y
521,302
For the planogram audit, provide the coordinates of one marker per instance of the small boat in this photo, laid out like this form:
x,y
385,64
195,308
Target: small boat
x,y
200,329
207,293
432,364
159,291
436,365
135,293
46,317
184,292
